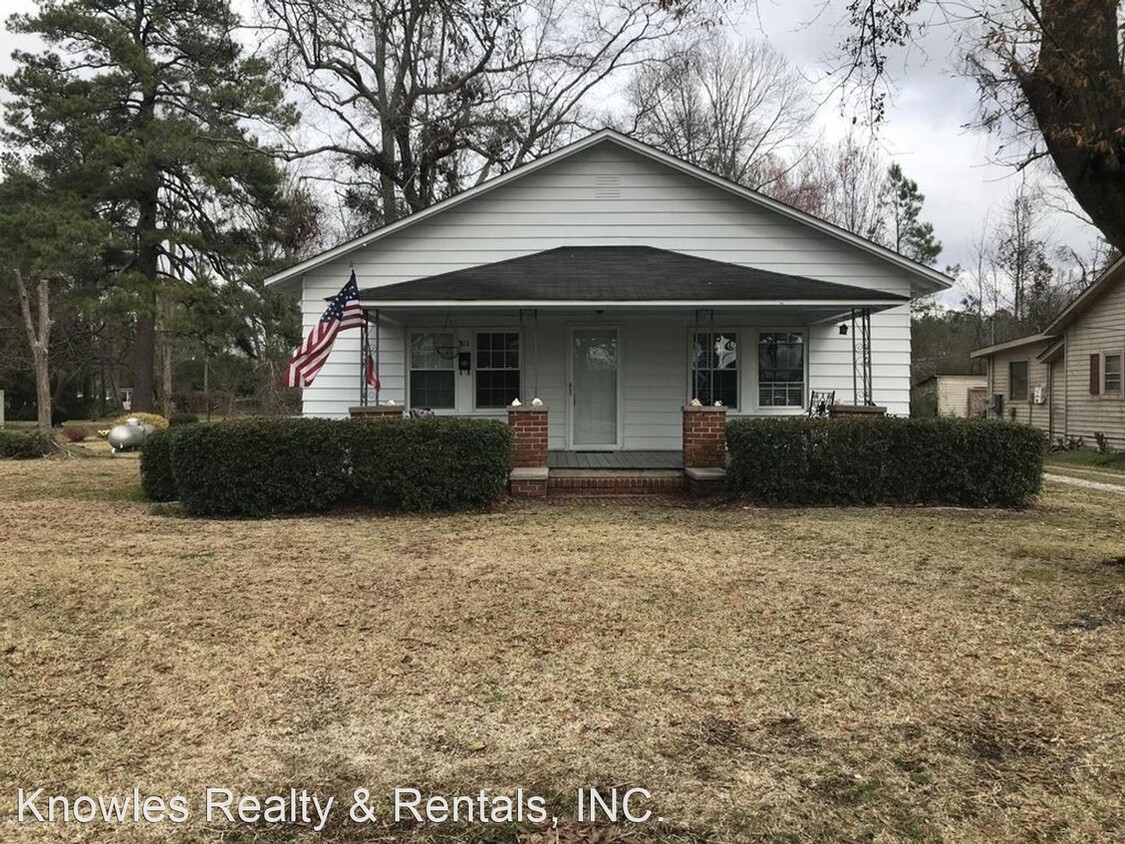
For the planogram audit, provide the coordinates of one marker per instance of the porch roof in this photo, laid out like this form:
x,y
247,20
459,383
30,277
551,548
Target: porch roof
x,y
570,275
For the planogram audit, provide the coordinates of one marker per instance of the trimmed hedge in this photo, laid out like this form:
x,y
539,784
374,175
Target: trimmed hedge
x,y
970,463
431,464
261,467
24,445
157,479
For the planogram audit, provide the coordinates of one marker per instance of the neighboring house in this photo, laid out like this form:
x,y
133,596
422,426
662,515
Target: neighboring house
x,y
961,396
615,283
1068,380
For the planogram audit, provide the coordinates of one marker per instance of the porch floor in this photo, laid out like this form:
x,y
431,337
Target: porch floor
x,y
615,459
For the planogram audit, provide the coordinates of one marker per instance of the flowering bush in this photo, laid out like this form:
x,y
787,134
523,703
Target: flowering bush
x,y
154,419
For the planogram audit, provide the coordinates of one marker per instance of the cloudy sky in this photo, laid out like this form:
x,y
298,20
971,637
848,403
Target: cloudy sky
x,y
925,128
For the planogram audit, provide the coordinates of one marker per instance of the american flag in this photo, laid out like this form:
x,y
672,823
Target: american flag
x,y
343,312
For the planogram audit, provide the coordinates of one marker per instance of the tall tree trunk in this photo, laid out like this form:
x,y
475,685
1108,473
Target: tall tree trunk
x,y
1076,92
144,347
166,381
38,337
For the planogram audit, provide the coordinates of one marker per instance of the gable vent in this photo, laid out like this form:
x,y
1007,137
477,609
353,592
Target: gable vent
x,y
607,187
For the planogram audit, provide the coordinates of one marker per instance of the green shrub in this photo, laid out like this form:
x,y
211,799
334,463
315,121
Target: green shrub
x,y
972,463
157,479
432,464
259,467
256,467
24,445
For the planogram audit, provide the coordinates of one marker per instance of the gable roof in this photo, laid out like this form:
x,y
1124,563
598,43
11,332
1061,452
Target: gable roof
x,y
1018,343
1080,305
1086,299
931,278
620,274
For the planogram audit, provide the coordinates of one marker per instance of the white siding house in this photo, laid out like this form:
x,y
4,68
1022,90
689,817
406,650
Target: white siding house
x,y
611,191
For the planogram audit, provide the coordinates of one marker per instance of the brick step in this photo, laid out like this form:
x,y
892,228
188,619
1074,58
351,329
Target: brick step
x,y
608,482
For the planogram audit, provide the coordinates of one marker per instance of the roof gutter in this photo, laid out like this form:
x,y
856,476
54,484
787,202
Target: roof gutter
x,y
636,303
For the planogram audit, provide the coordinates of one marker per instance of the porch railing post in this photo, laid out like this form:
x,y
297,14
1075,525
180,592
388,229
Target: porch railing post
x,y
378,365
364,353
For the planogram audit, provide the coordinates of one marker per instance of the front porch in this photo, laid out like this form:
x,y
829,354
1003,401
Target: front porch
x,y
617,339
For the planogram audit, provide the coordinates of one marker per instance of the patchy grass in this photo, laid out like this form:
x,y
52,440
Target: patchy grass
x,y
1090,464
770,675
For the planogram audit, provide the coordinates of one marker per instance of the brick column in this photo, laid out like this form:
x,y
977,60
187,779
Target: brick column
x,y
528,478
529,436
377,412
704,437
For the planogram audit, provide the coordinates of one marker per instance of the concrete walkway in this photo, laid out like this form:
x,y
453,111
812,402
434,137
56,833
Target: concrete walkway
x,y
1082,482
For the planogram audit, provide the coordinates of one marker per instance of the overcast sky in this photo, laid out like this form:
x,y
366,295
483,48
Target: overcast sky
x,y
924,130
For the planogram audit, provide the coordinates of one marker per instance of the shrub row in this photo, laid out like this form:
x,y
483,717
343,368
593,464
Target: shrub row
x,y
259,467
24,445
157,479
972,463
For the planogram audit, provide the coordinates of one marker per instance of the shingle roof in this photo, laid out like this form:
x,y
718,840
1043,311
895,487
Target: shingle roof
x,y
619,274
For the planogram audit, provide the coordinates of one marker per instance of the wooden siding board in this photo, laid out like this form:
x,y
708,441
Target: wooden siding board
x,y
1098,331
557,207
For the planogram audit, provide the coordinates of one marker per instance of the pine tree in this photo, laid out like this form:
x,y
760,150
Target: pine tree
x,y
143,109
906,232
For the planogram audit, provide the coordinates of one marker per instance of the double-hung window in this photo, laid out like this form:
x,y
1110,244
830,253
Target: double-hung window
x,y
1111,378
432,374
1017,380
781,369
716,368
498,368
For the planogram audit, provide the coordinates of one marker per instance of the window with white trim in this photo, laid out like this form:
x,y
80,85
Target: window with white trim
x,y
1111,375
715,364
432,370
1017,380
781,369
498,368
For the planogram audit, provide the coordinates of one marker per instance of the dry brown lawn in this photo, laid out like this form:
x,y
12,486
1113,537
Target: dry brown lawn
x,y
770,675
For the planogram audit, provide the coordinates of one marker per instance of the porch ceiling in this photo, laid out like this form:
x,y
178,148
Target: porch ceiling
x,y
639,275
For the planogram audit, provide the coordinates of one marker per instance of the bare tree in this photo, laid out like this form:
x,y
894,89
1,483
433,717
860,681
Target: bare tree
x,y
844,184
421,99
1022,256
38,328
1050,74
737,109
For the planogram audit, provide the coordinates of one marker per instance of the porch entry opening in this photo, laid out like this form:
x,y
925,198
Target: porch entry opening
x,y
594,363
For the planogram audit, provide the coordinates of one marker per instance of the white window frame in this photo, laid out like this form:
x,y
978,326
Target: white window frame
x,y
1120,392
410,332
1030,392
774,410
738,370
476,332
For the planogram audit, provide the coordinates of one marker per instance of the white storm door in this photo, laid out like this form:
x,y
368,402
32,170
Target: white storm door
x,y
595,356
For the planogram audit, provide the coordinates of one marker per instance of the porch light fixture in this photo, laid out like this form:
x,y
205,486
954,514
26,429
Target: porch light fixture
x,y
843,329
